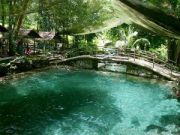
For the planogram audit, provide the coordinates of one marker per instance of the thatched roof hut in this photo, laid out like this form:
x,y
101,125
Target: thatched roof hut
x,y
45,36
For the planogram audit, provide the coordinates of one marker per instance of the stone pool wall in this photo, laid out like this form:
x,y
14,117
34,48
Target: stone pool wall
x,y
128,68
23,64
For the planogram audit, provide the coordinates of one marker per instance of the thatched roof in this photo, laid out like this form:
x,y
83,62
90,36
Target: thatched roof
x,y
3,29
47,35
40,35
29,34
23,32
33,34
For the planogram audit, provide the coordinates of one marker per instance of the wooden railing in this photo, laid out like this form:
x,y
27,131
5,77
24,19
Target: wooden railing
x,y
146,56
150,57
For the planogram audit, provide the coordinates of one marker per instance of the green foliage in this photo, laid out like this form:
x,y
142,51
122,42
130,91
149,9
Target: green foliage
x,y
125,33
161,52
142,43
78,16
84,45
87,48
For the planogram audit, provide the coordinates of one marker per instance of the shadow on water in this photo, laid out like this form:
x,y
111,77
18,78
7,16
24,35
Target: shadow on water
x,y
7,92
31,114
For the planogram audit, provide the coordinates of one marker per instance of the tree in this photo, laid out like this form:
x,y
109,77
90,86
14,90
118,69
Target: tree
x,y
160,17
65,16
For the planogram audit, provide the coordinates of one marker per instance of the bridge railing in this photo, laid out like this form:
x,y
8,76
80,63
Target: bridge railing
x,y
150,57
166,65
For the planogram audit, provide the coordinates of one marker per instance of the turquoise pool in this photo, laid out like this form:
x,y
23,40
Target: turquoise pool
x,y
62,102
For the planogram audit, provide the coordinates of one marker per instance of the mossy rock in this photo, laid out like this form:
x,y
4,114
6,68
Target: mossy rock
x,y
21,64
40,63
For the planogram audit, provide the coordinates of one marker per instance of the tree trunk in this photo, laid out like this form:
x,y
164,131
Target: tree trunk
x,y
11,44
67,41
76,41
174,51
177,56
21,17
3,12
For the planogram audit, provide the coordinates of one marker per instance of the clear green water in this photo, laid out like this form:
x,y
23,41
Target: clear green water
x,y
60,102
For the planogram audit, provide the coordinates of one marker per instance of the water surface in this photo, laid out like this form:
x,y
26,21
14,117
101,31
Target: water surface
x,y
61,102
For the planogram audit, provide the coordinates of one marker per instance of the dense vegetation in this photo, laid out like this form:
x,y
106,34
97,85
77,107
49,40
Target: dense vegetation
x,y
72,17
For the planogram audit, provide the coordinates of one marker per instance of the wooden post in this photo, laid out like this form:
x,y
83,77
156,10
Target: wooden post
x,y
172,70
44,49
139,54
34,46
153,60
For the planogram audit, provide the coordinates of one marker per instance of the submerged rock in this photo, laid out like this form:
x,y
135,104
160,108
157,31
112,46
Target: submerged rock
x,y
170,119
155,127
135,121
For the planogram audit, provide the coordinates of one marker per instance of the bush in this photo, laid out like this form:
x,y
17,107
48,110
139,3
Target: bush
x,y
161,52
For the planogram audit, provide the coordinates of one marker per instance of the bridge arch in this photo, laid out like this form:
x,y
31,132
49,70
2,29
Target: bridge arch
x,y
149,63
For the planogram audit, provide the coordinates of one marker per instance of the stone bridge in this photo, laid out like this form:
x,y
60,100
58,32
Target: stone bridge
x,y
124,63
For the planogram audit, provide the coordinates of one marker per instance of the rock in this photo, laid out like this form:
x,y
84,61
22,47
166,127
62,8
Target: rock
x,y
135,122
170,119
155,127
20,64
40,63
84,63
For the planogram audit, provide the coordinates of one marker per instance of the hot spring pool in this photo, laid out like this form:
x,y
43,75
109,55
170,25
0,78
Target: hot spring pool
x,y
60,102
